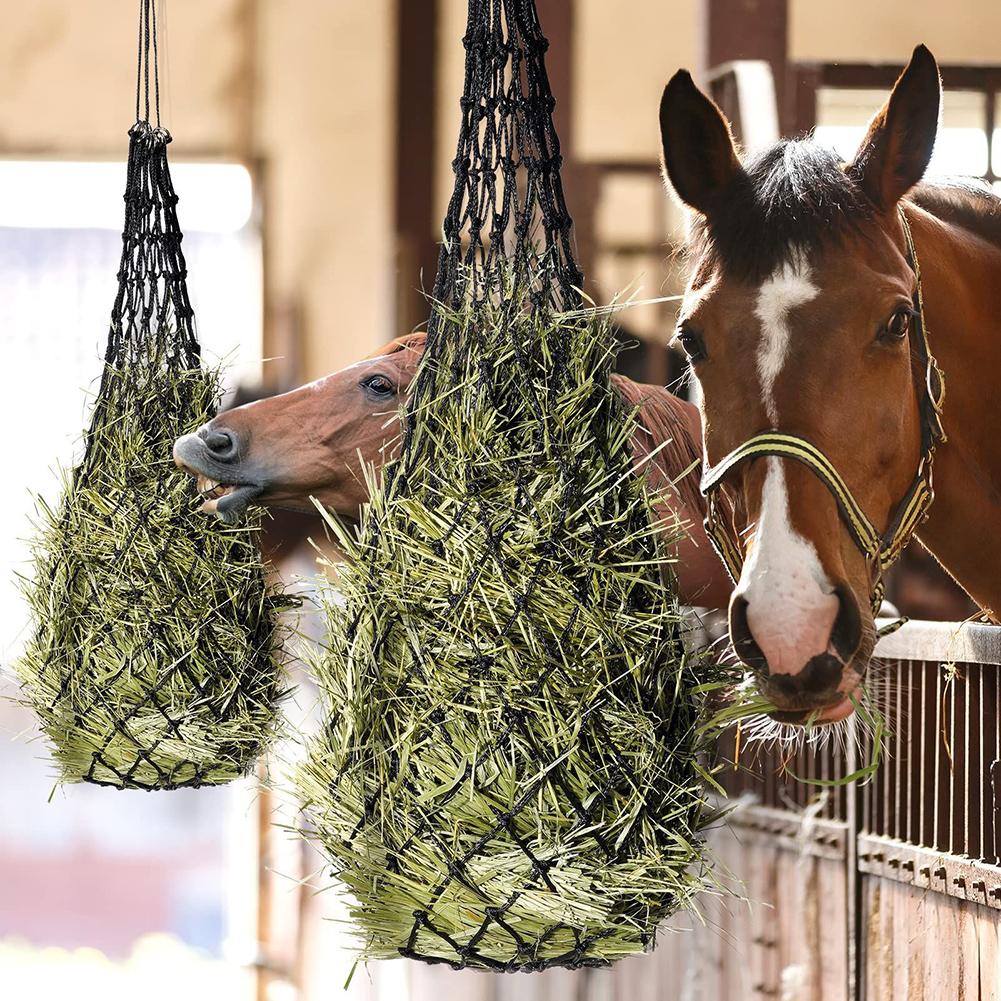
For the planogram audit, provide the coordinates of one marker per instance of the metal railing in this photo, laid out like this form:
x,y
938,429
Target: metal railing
x,y
938,786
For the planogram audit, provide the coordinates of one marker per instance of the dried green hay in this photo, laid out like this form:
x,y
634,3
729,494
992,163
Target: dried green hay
x,y
512,776
155,661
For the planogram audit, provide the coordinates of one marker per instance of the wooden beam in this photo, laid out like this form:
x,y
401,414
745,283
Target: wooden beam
x,y
557,20
416,119
751,29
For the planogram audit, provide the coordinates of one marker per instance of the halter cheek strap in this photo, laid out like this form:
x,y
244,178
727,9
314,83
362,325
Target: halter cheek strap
x,y
880,550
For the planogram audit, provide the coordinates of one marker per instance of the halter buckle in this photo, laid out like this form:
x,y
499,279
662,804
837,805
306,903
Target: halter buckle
x,y
935,388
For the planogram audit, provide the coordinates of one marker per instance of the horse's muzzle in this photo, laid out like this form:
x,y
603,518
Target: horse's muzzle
x,y
224,482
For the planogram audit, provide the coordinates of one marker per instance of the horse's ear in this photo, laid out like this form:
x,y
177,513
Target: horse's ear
x,y
898,146
405,342
699,154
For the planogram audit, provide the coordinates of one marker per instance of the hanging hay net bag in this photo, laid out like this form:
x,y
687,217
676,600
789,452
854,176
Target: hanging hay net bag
x,y
154,662
511,776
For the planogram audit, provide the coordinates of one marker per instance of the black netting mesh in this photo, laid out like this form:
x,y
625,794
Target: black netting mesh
x,y
509,776
507,164
154,661
507,222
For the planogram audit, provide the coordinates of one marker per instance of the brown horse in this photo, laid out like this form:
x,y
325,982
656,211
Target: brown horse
x,y
806,327
313,442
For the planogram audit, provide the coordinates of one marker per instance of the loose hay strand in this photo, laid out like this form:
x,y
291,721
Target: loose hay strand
x,y
510,777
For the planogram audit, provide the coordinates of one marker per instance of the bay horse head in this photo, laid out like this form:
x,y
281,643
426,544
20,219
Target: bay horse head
x,y
315,441
802,322
310,442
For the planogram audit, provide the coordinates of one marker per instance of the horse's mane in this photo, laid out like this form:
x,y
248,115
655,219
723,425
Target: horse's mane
x,y
798,197
793,198
973,206
663,418
405,342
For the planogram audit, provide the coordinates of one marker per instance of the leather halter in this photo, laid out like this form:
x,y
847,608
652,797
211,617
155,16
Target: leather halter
x,y
880,550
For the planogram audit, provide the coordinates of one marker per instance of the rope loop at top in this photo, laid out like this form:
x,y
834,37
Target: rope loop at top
x,y
148,52
507,190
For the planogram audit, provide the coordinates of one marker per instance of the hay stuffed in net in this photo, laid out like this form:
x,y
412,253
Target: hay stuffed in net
x,y
154,663
510,774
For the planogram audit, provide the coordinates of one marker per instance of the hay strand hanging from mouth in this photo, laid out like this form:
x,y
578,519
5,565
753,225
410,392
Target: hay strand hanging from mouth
x,y
510,777
155,660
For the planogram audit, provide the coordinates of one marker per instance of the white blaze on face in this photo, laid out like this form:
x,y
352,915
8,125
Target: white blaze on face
x,y
791,606
788,288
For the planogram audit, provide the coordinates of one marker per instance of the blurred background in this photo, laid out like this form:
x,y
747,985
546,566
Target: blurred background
x,y
313,141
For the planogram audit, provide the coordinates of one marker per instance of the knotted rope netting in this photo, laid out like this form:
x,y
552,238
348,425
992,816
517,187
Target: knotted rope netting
x,y
509,777
155,660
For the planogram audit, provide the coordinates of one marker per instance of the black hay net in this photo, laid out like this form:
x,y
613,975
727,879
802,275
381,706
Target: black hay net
x,y
154,662
508,779
507,230
508,193
152,322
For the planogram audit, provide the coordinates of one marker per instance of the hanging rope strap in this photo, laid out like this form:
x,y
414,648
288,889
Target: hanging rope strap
x,y
507,163
152,322
147,46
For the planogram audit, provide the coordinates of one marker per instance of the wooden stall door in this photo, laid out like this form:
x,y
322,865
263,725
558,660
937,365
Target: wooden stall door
x,y
922,945
788,937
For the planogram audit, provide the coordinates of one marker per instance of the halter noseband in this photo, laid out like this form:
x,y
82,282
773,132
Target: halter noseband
x,y
879,550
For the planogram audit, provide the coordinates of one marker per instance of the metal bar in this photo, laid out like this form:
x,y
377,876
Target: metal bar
x,y
984,770
952,765
909,756
994,847
883,776
853,880
938,755
898,726
923,835
942,642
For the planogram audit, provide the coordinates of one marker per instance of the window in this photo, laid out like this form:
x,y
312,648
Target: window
x,y
962,145
144,881
969,143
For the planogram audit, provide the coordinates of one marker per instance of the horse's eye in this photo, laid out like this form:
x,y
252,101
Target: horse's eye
x,y
691,342
378,385
898,325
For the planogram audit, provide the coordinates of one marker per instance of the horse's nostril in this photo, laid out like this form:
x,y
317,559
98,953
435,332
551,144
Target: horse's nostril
x,y
846,634
803,670
740,634
821,674
221,443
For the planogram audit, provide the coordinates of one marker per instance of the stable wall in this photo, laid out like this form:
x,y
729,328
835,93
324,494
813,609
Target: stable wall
x,y
68,76
965,31
299,90
303,91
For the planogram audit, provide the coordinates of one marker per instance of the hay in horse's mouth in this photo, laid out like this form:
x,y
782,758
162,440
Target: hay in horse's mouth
x,y
213,489
227,501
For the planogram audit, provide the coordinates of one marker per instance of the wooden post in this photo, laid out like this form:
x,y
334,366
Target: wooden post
x,y
262,974
580,182
752,29
416,116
